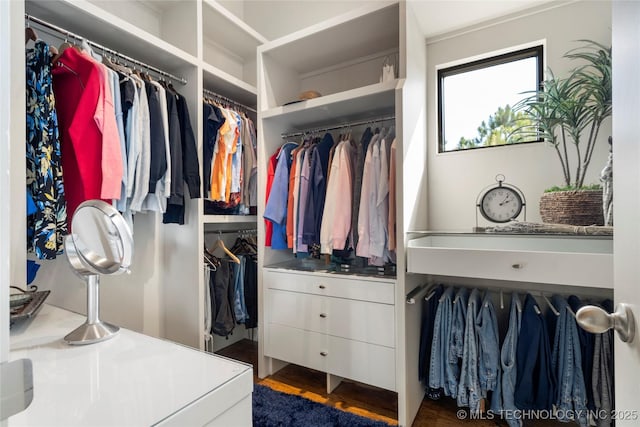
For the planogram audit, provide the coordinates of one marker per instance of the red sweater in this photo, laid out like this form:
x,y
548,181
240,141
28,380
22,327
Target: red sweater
x,y
87,124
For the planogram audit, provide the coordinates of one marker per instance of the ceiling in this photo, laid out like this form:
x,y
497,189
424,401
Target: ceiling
x,y
437,17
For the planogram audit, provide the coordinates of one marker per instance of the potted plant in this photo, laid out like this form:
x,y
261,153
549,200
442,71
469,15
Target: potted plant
x,y
568,113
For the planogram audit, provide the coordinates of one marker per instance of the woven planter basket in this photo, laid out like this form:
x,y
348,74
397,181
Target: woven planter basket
x,y
572,207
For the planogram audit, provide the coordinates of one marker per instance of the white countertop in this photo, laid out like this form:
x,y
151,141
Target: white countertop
x,y
131,379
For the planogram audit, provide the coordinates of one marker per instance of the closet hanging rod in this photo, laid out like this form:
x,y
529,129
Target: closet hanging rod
x,y
340,126
411,296
239,231
229,100
99,47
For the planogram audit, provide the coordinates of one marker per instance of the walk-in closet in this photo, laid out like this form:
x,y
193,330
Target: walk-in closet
x,y
284,173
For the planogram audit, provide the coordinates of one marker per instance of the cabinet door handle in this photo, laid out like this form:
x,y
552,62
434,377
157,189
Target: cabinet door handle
x,y
323,353
517,266
321,286
323,315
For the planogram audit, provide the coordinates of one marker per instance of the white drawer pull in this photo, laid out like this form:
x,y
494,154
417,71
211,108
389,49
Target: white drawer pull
x,y
321,286
323,315
323,353
517,266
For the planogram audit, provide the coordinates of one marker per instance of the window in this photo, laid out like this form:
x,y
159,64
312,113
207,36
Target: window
x,y
475,99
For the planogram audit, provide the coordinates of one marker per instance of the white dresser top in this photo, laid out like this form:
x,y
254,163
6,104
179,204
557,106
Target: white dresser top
x,y
131,379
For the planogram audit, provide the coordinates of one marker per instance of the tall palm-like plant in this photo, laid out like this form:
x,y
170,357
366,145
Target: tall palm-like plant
x,y
565,109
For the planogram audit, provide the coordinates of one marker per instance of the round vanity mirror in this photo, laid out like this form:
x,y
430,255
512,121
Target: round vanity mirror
x,y
100,243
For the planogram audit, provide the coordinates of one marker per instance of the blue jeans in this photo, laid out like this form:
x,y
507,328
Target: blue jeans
x,y
239,307
439,367
488,348
534,379
469,393
456,344
503,395
566,359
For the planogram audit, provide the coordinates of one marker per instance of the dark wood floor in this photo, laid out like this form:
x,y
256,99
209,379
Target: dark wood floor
x,y
354,397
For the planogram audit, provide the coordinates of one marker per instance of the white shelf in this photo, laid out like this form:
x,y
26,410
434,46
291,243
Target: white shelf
x,y
365,102
225,219
356,34
224,28
227,85
564,260
97,25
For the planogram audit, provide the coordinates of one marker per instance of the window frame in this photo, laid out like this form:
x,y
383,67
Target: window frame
x,y
535,51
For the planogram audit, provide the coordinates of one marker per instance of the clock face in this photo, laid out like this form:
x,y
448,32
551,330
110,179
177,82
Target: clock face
x,y
501,204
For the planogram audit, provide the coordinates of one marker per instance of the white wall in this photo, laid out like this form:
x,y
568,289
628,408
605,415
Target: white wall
x,y
455,179
276,18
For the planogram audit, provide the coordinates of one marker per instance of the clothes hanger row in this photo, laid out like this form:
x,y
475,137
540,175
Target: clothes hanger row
x,y
501,291
224,100
68,35
314,131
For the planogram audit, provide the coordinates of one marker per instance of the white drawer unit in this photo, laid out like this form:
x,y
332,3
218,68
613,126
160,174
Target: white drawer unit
x,y
359,361
361,320
352,287
344,326
297,346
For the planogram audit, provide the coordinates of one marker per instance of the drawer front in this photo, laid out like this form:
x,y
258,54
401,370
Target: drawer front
x,y
297,310
296,346
576,269
361,320
352,287
367,363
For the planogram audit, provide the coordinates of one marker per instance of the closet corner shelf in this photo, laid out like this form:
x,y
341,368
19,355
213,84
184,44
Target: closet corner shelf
x,y
359,33
223,219
227,85
96,24
355,104
221,24
585,261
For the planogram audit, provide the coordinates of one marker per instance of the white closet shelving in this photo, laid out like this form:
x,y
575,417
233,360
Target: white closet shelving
x,y
212,49
305,315
229,53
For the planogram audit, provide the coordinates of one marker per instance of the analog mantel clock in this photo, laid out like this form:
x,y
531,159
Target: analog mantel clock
x,y
500,203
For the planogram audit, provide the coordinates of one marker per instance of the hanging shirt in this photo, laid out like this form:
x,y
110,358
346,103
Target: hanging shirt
x,y
236,159
291,195
276,207
271,172
305,172
336,219
47,224
391,226
223,152
249,160
296,198
143,149
157,200
214,119
91,160
317,190
359,158
190,171
366,196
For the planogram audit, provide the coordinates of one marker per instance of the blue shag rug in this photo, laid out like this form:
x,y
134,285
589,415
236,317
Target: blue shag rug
x,y
275,409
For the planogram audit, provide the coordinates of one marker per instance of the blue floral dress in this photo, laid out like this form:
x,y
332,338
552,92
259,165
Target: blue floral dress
x,y
47,223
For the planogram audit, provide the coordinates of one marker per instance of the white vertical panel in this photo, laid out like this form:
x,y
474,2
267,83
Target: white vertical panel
x,y
412,199
12,163
626,190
